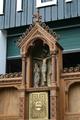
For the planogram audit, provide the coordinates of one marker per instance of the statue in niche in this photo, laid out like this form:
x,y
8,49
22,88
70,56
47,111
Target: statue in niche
x,y
36,72
43,69
49,75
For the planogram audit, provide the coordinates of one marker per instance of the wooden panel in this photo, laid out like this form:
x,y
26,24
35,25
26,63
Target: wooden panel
x,y
79,7
48,14
29,16
60,9
74,6
72,116
74,98
1,21
9,100
67,10
42,13
12,13
7,13
54,12
8,118
24,13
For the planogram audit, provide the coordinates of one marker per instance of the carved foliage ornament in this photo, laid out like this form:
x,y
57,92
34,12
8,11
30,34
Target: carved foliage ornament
x,y
37,30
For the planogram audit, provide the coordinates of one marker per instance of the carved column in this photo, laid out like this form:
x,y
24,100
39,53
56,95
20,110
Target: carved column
x,y
23,70
53,107
22,105
28,72
53,91
53,80
22,90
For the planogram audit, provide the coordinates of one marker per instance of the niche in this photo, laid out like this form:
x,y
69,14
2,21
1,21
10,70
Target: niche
x,y
74,98
41,64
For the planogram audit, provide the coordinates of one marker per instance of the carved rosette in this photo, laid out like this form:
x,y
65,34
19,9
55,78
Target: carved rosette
x,y
53,104
21,109
22,106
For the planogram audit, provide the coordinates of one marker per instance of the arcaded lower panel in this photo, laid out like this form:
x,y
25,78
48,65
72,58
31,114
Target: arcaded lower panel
x,y
9,102
74,98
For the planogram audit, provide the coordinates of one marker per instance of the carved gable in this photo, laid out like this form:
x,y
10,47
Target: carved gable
x,y
41,67
35,32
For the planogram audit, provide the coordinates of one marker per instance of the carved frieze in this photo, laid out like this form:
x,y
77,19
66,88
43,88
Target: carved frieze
x,y
11,79
11,75
72,69
21,107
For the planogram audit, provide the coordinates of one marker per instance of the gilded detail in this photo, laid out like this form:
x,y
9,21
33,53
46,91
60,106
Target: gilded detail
x,y
38,106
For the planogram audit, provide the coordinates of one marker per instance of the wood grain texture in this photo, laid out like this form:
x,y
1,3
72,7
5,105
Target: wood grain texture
x,y
9,102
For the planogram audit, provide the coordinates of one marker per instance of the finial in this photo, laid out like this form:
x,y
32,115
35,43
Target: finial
x,y
37,17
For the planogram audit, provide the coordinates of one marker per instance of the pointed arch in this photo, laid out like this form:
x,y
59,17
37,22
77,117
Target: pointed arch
x,y
36,38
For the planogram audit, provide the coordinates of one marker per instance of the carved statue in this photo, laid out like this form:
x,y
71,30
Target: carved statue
x,y
36,72
49,75
43,71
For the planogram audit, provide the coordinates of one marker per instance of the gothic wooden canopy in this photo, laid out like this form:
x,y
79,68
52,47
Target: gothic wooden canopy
x,y
38,30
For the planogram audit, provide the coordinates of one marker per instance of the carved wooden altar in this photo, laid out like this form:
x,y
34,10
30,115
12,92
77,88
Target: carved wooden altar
x,y
41,66
43,90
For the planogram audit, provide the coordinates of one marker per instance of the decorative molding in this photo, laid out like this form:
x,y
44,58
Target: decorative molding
x,y
21,107
72,116
70,76
72,69
10,75
68,83
9,118
11,80
40,27
38,32
53,104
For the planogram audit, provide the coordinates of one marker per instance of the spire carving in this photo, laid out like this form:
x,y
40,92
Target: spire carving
x,y
37,20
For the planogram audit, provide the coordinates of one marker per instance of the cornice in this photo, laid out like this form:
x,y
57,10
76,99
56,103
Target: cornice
x,y
71,73
70,76
72,69
10,79
10,75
